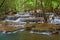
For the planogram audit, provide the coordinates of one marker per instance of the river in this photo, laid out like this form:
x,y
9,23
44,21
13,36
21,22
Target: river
x,y
27,36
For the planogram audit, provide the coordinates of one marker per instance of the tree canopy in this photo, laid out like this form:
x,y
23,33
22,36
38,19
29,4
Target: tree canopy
x,y
21,5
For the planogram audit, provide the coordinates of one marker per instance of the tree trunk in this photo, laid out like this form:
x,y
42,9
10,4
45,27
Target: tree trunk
x,y
43,10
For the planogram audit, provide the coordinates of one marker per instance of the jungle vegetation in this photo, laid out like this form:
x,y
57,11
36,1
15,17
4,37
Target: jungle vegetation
x,y
7,6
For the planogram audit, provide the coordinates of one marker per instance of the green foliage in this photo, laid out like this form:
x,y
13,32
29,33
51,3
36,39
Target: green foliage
x,y
54,4
21,5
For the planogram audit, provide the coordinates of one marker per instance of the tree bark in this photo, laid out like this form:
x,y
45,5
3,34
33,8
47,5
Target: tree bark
x,y
43,10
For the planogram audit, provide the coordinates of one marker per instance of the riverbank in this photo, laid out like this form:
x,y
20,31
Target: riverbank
x,y
9,29
36,26
31,27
